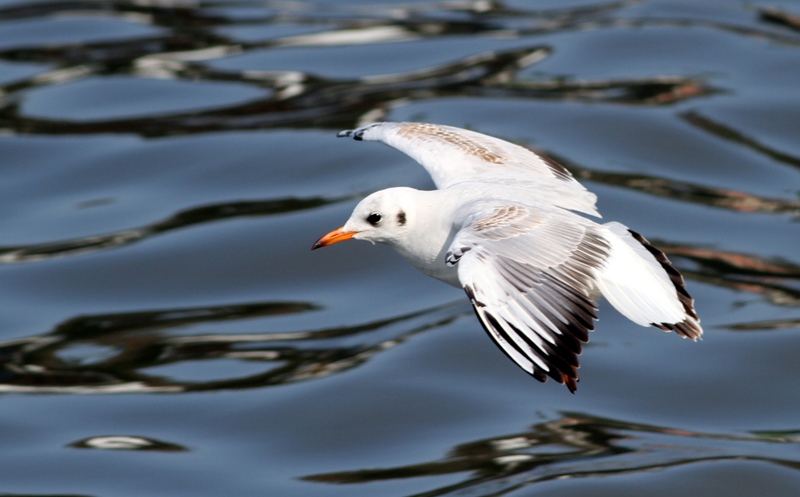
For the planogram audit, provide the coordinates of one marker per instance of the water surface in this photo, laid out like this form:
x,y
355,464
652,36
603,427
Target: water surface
x,y
166,166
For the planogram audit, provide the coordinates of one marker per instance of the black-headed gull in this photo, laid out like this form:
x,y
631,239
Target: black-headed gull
x,y
503,226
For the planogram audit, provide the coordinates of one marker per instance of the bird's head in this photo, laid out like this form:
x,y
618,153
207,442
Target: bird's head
x,y
381,217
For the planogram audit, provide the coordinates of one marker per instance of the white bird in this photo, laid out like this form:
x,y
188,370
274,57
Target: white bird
x,y
503,226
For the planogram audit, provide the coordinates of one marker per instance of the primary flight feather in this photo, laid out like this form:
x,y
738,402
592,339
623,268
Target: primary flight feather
x,y
503,226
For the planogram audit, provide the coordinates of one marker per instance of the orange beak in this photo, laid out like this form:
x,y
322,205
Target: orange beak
x,y
334,236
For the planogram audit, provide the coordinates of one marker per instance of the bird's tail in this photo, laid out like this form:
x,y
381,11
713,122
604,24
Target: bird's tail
x,y
641,283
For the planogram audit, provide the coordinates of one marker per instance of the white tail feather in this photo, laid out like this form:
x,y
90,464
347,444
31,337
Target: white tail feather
x,y
635,283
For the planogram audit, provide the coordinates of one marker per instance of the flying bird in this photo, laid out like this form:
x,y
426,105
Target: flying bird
x,y
505,225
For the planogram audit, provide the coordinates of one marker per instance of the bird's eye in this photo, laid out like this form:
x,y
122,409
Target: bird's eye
x,y
374,218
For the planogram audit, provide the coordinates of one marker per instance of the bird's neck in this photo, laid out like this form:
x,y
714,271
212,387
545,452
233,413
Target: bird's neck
x,y
430,234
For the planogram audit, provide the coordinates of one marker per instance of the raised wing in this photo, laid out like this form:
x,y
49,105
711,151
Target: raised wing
x,y
454,155
528,274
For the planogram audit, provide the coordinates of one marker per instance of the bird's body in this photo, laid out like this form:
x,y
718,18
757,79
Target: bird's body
x,y
504,224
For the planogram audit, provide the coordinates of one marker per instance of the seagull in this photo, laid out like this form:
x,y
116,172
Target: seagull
x,y
507,225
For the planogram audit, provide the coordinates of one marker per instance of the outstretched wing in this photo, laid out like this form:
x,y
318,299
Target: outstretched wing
x,y
454,155
528,274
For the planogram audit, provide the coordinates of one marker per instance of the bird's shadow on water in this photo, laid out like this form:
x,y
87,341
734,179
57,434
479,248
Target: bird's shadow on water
x,y
576,445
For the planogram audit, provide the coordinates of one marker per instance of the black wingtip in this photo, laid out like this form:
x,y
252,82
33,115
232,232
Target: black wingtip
x,y
572,383
355,134
690,327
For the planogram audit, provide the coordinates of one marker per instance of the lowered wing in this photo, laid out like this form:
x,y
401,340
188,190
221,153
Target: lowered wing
x,y
528,274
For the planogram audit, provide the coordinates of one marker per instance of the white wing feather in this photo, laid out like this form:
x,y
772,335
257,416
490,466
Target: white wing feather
x,y
454,155
528,274
639,281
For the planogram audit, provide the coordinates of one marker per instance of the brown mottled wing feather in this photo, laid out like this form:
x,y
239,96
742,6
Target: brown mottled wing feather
x,y
453,155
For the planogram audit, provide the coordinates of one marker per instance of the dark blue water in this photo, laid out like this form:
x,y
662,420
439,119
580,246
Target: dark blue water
x,y
165,167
